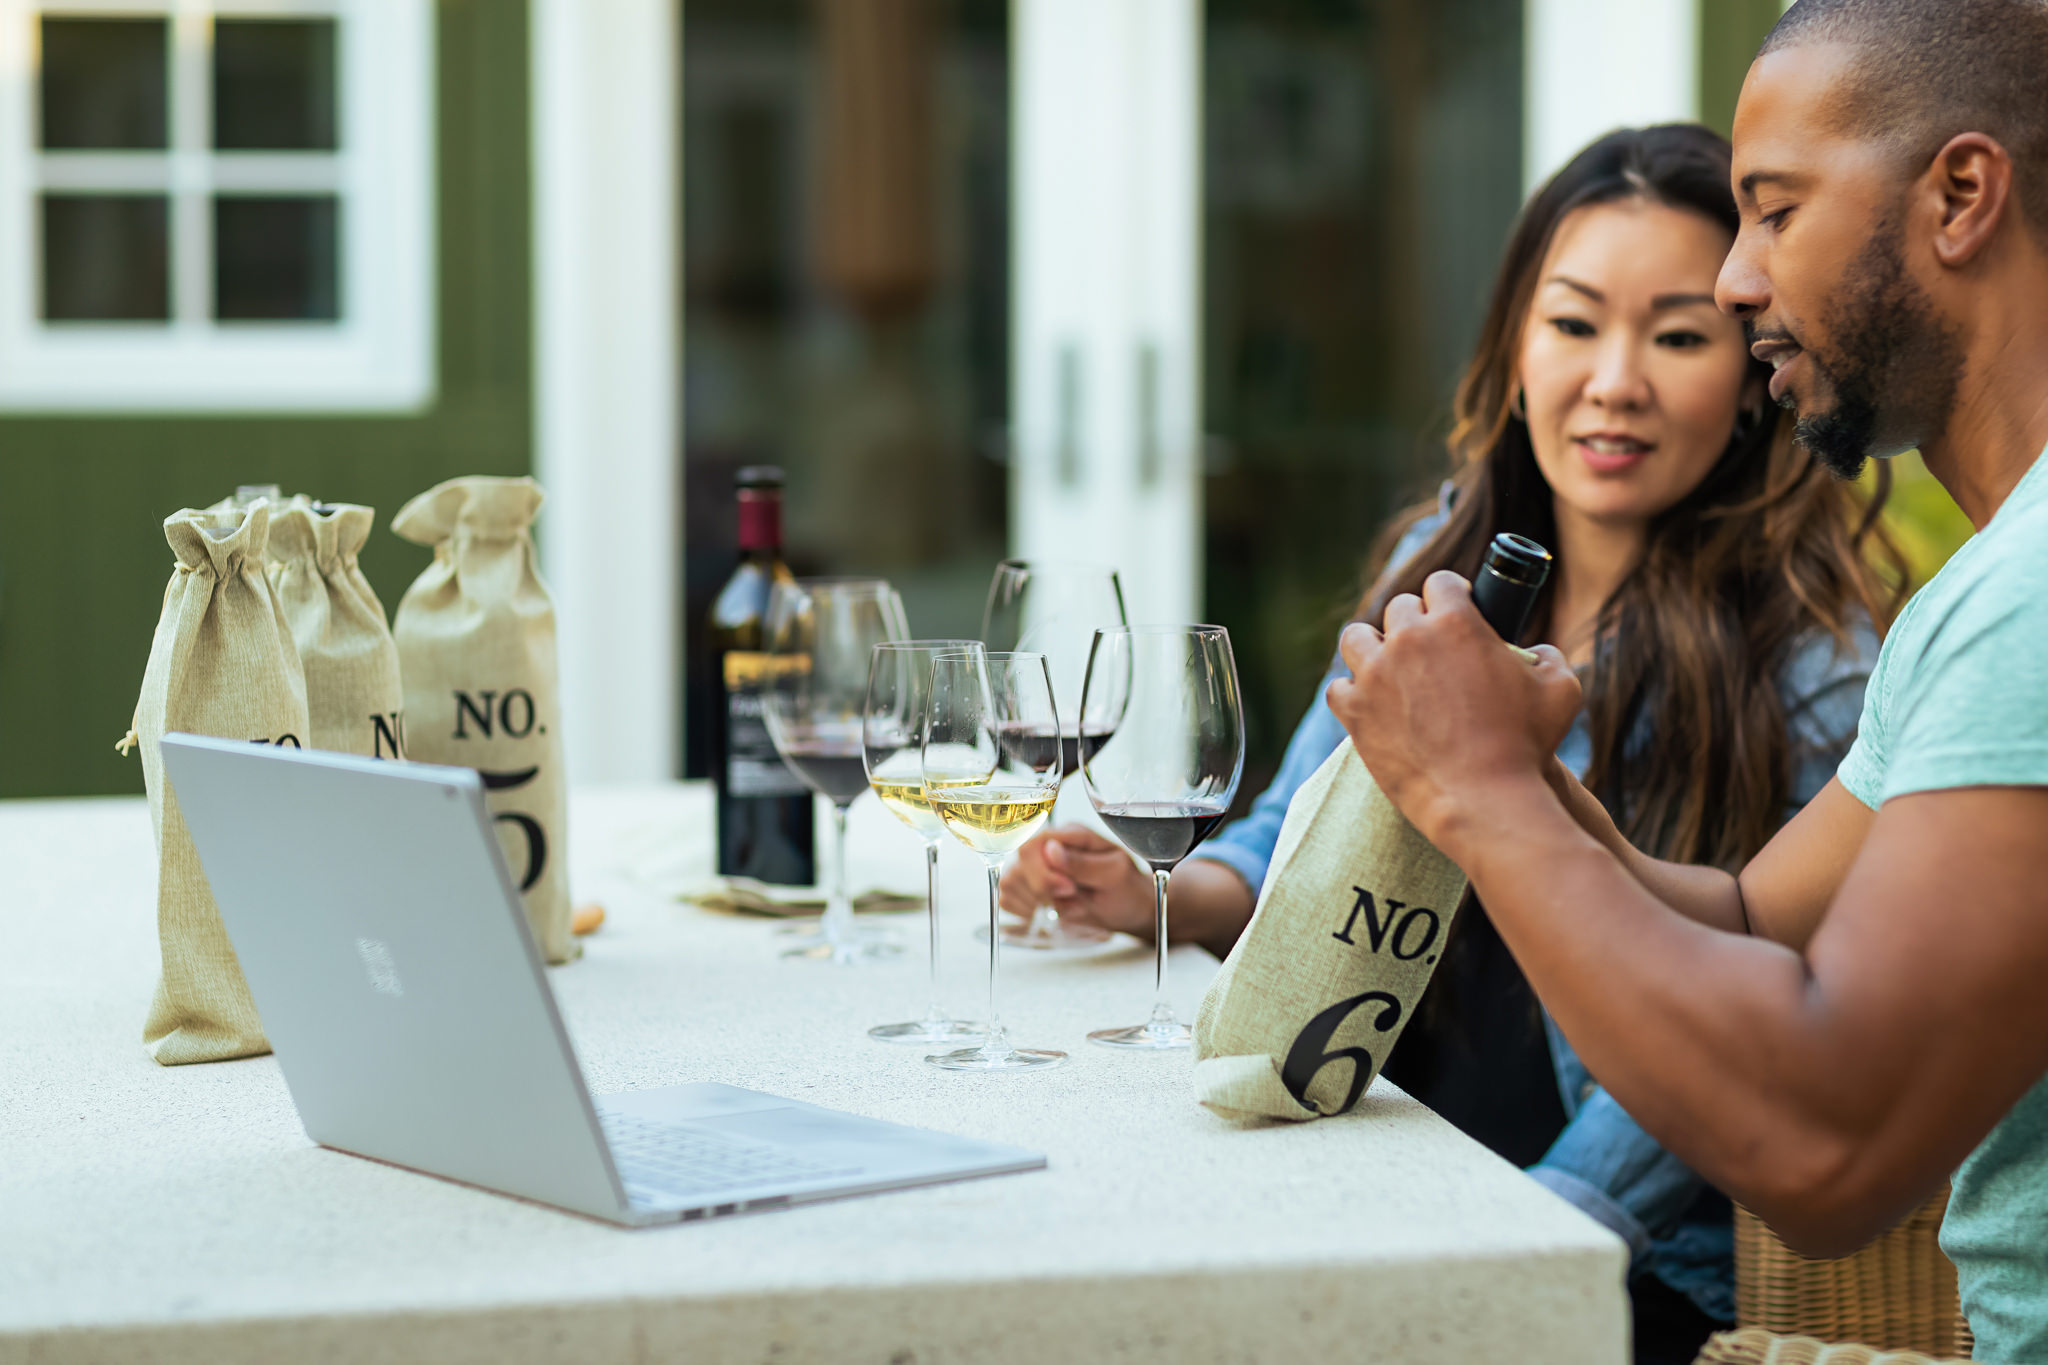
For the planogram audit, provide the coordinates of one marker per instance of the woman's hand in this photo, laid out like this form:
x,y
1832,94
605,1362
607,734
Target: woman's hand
x,y
1440,712
1085,877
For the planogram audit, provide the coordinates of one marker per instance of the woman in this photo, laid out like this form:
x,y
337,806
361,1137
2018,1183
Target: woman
x,y
1712,586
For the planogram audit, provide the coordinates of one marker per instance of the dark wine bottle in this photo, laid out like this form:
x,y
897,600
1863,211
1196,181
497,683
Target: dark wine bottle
x,y
1505,590
764,809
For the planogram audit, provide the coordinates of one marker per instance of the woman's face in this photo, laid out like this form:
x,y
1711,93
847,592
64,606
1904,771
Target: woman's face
x,y
1631,377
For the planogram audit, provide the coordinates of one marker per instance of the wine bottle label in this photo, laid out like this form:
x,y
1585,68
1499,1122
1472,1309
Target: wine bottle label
x,y
752,766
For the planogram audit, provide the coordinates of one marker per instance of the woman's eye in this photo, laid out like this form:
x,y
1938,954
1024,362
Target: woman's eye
x,y
1681,341
1573,327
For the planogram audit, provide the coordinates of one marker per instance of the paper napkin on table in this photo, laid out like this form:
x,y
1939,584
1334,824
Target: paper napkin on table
x,y
746,896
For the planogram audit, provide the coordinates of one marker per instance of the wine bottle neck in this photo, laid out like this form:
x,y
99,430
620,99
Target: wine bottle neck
x,y
760,524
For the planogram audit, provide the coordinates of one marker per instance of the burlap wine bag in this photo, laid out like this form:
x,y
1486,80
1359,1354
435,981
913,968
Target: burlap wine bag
x,y
354,699
222,663
1345,937
476,646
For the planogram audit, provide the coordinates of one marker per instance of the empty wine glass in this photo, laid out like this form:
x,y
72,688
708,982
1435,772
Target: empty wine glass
x,y
1167,698
1054,608
892,743
821,633
991,793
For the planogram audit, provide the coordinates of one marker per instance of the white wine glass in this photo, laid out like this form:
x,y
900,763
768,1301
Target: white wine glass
x,y
892,745
1167,699
991,793
1054,608
820,634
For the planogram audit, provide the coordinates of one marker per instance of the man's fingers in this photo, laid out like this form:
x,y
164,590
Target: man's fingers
x,y
1403,612
1358,645
1445,591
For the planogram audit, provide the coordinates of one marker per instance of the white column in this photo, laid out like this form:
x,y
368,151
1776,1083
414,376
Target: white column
x,y
1591,66
1106,317
607,339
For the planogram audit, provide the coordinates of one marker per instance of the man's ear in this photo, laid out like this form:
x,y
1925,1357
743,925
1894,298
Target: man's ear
x,y
1972,174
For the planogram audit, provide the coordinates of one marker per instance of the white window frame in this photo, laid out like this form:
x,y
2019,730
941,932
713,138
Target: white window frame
x,y
379,356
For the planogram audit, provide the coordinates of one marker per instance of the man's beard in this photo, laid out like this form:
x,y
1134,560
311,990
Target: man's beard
x,y
1893,368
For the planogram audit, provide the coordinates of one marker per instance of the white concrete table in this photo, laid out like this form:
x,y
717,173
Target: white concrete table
x,y
181,1215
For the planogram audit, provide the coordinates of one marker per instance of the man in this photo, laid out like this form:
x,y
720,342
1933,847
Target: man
x,y
1863,1011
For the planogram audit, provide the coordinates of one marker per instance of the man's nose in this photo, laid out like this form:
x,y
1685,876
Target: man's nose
x,y
1743,290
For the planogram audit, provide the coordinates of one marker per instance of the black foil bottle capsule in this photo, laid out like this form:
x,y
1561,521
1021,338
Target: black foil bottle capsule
x,y
1508,582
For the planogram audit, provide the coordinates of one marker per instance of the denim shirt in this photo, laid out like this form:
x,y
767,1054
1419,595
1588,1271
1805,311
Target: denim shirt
x,y
1676,1226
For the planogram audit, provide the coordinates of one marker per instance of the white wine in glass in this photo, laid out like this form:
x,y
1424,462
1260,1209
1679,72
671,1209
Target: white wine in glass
x,y
892,748
992,795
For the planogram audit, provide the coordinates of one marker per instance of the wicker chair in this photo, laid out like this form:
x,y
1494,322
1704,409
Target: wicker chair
x,y
1897,1294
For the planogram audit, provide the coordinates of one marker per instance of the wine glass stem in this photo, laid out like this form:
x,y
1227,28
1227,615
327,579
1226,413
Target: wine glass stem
x,y
932,1011
838,925
1162,1013
997,1044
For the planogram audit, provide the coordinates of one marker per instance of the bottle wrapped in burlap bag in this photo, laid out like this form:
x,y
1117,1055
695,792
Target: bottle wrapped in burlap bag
x,y
222,663
476,646
355,701
1346,935
1348,927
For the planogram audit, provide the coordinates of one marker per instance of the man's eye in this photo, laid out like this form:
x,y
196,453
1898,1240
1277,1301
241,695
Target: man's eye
x,y
1775,220
1573,327
1681,341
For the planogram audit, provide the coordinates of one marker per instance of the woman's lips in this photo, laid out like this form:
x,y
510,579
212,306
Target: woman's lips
x,y
1611,457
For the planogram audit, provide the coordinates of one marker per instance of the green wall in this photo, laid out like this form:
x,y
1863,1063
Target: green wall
x,y
82,499
1730,33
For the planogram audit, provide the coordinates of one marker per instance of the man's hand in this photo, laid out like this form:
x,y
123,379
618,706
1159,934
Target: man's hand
x,y
1440,711
1085,877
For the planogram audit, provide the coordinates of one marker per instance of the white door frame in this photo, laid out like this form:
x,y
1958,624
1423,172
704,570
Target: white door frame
x,y
1106,309
606,95
1591,66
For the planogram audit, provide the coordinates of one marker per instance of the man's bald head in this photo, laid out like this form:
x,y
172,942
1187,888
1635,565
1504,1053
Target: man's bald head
x,y
1925,70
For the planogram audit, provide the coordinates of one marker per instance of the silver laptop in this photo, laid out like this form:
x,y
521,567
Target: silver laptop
x,y
391,962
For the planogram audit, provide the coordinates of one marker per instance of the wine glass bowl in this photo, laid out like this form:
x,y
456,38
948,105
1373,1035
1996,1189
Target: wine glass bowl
x,y
1165,701
895,714
992,789
820,636
1054,608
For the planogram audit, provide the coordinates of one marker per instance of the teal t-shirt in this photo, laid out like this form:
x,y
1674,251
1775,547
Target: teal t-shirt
x,y
1959,698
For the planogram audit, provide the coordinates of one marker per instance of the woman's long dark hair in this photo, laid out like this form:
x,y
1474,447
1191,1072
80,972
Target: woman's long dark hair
x,y
1690,746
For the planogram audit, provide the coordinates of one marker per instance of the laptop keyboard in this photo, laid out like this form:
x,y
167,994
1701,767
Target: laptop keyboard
x,y
660,1161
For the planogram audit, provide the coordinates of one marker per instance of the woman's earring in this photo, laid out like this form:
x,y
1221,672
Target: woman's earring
x,y
1515,409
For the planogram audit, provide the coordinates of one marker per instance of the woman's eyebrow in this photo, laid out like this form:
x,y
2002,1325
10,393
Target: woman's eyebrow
x,y
1664,301
1588,290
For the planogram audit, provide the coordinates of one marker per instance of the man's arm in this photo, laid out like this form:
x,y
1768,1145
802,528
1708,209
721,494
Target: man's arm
x,y
1830,1093
1829,1090
1783,892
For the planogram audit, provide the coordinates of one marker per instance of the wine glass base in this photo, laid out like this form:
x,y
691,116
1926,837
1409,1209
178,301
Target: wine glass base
x,y
930,1031
812,931
1150,1037
1058,937
981,1059
821,949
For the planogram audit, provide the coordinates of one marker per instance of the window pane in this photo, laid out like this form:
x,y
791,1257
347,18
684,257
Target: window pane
x,y
277,259
106,258
273,85
103,83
